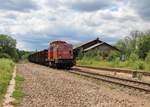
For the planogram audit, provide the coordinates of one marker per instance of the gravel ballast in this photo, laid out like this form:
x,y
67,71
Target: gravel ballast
x,y
46,87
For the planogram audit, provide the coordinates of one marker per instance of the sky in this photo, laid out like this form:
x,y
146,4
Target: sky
x,y
36,23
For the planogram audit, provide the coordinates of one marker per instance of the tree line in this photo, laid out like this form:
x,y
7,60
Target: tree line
x,y
137,43
135,48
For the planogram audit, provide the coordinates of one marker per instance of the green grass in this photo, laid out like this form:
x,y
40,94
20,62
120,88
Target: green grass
x,y
129,64
18,94
6,70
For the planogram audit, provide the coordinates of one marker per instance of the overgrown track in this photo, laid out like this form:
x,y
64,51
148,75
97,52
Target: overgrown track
x,y
142,86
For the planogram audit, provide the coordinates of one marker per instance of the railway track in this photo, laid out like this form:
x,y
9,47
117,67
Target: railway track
x,y
117,70
142,86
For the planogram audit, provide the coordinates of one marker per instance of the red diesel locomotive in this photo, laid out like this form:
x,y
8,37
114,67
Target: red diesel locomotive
x,y
58,55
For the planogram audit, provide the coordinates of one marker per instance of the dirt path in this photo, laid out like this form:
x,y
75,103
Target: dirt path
x,y
46,87
8,97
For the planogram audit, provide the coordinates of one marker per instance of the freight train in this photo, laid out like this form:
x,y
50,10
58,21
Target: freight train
x,y
59,55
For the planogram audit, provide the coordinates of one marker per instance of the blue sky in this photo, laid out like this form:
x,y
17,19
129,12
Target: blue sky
x,y
36,23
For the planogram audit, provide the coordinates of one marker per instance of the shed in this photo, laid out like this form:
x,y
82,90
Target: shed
x,y
94,45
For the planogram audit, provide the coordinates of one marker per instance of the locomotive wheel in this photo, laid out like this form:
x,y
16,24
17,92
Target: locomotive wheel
x,y
52,64
68,68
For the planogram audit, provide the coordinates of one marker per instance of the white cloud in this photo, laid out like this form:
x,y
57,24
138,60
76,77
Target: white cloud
x,y
142,7
18,5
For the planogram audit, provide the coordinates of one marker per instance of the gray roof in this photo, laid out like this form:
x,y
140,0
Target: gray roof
x,y
93,46
97,43
84,43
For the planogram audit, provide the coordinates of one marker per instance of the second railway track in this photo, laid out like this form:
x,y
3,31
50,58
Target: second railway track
x,y
142,86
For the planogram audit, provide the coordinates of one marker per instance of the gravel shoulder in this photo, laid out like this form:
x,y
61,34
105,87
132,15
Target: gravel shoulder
x,y
46,87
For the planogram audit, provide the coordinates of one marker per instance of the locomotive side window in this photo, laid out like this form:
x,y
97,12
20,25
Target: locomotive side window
x,y
50,49
54,49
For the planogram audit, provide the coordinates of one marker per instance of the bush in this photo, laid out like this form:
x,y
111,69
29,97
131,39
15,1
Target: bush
x,y
115,62
133,57
4,55
147,59
113,55
141,65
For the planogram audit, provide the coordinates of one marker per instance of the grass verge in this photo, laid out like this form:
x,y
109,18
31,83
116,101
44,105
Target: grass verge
x,y
6,70
18,94
129,64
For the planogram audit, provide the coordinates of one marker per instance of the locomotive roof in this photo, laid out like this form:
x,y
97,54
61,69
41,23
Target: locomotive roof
x,y
55,42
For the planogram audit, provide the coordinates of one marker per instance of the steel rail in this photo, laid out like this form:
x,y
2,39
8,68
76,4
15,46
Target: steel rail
x,y
107,78
128,71
114,77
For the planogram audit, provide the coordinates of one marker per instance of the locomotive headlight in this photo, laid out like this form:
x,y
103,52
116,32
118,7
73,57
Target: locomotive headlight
x,y
60,55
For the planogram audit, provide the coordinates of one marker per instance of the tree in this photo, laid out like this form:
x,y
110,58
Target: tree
x,y
8,47
144,45
7,41
147,59
23,54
